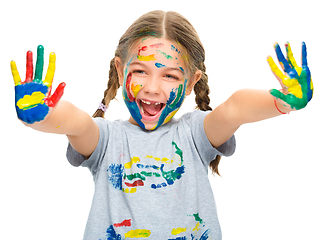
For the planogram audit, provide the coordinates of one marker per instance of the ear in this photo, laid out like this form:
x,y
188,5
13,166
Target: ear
x,y
193,80
119,69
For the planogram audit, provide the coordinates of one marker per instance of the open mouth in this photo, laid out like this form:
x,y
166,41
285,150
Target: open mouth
x,y
150,110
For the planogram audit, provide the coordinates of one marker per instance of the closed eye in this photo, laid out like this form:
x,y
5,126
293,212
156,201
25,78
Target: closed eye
x,y
139,71
172,77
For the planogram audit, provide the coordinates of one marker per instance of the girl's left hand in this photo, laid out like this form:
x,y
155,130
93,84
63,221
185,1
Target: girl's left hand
x,y
296,82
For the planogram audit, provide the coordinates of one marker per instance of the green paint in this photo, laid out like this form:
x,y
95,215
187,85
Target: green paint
x,y
39,64
197,218
177,98
165,55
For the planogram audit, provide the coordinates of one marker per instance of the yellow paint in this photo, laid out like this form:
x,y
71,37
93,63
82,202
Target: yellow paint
x,y
129,190
138,233
176,231
163,160
293,85
51,70
135,89
15,73
197,227
128,165
168,118
30,100
147,58
292,59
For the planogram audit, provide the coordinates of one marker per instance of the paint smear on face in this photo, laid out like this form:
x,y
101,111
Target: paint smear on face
x,y
135,89
159,65
138,233
165,55
145,58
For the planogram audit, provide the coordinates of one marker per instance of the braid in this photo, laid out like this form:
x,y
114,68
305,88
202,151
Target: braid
x,y
201,90
111,91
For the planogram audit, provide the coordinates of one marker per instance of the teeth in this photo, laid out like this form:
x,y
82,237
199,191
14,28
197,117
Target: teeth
x,y
146,102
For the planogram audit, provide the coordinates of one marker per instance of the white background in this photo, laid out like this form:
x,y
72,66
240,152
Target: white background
x,y
270,188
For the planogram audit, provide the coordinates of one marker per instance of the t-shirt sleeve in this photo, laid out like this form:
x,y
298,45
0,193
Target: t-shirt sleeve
x,y
204,147
93,162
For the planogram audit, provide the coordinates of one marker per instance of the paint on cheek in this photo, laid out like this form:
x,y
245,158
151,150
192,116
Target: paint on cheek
x,y
173,104
135,89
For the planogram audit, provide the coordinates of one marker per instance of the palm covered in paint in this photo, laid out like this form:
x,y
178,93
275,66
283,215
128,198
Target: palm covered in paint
x,y
296,82
33,96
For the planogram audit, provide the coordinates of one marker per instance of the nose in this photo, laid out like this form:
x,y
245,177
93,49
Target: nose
x,y
152,86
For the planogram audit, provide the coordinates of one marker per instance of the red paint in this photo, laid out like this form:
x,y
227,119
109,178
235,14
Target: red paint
x,y
135,184
52,100
127,86
125,223
157,45
29,67
144,48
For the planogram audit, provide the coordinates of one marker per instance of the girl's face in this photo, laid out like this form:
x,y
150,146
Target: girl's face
x,y
155,82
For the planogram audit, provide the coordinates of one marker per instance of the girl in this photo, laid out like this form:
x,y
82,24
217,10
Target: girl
x,y
150,172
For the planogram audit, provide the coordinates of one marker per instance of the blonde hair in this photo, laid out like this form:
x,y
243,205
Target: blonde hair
x,y
172,26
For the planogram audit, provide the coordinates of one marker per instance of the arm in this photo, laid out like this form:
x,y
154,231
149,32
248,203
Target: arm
x,y
40,110
246,106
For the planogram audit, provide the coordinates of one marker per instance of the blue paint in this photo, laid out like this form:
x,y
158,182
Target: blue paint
x,y
159,65
36,113
173,48
174,102
205,235
155,186
132,106
181,69
148,166
116,175
178,238
112,235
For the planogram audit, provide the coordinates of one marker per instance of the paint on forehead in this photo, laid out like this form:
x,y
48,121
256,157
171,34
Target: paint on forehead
x,y
159,65
165,55
173,48
157,45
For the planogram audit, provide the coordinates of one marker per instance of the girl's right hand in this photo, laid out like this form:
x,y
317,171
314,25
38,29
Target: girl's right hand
x,y
33,96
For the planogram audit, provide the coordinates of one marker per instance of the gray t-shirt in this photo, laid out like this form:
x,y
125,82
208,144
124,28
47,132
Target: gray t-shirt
x,y
152,184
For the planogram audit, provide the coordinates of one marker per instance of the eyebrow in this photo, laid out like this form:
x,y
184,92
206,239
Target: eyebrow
x,y
168,68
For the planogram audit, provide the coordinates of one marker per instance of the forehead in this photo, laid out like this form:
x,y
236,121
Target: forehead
x,y
162,50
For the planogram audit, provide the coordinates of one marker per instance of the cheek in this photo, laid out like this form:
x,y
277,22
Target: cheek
x,y
132,87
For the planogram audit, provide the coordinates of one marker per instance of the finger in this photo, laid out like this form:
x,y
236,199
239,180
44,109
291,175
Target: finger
x,y
283,62
304,55
15,73
29,67
277,94
54,99
277,72
291,59
39,64
51,70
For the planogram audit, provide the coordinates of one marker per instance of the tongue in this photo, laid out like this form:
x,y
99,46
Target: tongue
x,y
151,109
